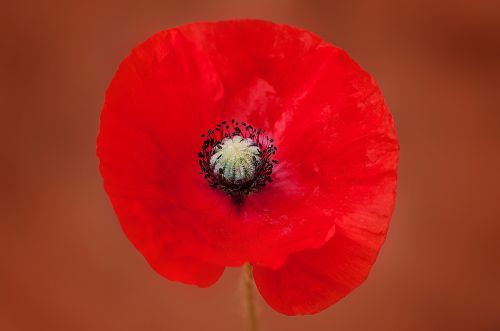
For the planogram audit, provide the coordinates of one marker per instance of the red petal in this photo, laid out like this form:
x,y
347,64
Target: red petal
x,y
336,141
312,280
171,251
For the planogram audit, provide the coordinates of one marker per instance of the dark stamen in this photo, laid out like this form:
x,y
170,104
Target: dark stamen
x,y
264,167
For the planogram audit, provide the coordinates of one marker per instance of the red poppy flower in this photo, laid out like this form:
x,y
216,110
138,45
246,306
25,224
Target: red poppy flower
x,y
247,141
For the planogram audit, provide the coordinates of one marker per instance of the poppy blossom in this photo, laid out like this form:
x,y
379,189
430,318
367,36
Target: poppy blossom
x,y
250,142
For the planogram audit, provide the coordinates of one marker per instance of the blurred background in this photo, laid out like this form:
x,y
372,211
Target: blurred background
x,y
64,262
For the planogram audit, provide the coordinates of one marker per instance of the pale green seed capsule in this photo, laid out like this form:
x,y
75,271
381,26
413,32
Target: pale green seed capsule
x,y
236,159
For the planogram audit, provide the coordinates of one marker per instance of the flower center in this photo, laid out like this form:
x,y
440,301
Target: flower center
x,y
236,159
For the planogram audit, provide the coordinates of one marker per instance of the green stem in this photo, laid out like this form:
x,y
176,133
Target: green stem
x,y
249,298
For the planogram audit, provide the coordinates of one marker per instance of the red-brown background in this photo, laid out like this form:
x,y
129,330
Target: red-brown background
x,y
64,262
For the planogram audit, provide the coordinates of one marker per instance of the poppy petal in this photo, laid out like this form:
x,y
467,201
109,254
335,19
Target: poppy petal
x,y
166,249
173,87
312,280
336,139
